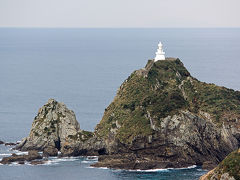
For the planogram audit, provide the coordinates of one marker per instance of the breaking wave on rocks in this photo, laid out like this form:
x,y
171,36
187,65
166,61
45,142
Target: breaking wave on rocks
x,y
148,170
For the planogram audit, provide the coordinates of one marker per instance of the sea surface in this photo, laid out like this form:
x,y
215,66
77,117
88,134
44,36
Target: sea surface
x,y
84,68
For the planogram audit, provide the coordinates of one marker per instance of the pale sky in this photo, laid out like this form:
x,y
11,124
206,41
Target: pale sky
x,y
119,13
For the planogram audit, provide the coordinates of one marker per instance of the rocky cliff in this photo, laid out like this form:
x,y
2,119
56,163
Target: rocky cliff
x,y
163,115
228,169
55,126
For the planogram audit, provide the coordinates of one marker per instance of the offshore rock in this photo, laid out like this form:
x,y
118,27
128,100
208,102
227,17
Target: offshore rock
x,y
52,127
32,155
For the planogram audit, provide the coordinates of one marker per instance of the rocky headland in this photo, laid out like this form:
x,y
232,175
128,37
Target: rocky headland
x,y
161,117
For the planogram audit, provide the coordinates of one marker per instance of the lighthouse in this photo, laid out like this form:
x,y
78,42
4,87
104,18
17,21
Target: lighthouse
x,y
160,54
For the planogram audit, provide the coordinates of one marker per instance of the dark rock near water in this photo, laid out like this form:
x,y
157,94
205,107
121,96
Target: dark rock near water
x,y
208,165
10,144
32,155
50,151
37,162
131,161
1,142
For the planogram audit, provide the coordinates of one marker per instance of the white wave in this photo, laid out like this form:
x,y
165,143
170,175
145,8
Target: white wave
x,y
14,164
5,154
147,170
88,161
63,159
90,167
21,153
189,167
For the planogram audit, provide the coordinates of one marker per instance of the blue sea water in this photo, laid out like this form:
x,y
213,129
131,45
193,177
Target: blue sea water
x,y
84,68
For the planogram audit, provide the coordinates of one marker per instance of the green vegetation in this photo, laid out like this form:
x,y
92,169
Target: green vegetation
x,y
162,89
218,101
81,135
230,165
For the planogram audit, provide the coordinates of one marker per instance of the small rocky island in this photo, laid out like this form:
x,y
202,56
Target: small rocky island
x,y
161,117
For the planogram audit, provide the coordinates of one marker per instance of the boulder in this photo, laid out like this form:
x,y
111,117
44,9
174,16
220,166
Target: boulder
x,y
50,151
1,142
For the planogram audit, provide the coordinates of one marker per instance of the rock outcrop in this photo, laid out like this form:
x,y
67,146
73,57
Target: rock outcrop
x,y
31,156
50,151
162,114
228,169
55,126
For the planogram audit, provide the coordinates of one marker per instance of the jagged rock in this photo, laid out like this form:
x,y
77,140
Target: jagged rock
x,y
52,127
10,144
32,155
50,151
1,142
131,161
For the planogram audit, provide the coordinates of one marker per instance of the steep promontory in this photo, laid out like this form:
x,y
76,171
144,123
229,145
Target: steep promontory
x,y
163,117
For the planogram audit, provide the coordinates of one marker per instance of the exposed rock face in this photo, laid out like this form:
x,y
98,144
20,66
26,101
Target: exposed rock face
x,y
228,169
55,128
162,114
52,127
50,151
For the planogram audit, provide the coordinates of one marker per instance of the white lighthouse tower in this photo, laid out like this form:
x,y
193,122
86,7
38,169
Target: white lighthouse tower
x,y
160,54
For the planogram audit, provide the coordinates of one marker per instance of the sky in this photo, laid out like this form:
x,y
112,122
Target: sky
x,y
119,13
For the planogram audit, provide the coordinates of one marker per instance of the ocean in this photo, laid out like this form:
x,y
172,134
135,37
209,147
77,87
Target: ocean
x,y
84,68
